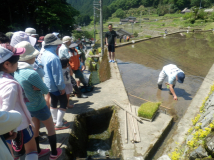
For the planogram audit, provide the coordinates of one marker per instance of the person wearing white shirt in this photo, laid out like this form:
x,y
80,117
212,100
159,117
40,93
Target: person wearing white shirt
x,y
174,74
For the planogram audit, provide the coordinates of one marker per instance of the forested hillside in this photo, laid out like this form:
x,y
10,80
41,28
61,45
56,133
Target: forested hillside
x,y
162,6
86,6
45,16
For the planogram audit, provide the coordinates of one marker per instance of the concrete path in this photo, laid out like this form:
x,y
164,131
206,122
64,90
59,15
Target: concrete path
x,y
102,96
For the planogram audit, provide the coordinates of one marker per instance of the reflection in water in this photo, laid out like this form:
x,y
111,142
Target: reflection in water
x,y
140,66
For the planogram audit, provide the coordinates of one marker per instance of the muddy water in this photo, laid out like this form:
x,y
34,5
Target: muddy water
x,y
141,63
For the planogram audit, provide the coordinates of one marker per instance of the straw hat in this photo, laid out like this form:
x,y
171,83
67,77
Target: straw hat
x,y
66,39
30,52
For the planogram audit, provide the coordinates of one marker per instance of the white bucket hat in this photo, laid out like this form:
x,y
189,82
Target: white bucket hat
x,y
22,36
31,32
66,39
30,52
9,121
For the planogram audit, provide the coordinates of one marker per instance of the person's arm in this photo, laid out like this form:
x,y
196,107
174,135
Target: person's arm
x,y
106,38
115,38
37,82
71,71
173,92
106,41
9,97
56,70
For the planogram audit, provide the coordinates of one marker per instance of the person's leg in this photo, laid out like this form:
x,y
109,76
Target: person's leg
x,y
161,78
36,132
79,74
47,99
61,111
30,146
53,108
51,134
68,105
113,56
78,83
77,90
109,54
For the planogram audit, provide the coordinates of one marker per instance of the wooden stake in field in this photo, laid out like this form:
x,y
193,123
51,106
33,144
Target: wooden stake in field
x,y
131,122
118,104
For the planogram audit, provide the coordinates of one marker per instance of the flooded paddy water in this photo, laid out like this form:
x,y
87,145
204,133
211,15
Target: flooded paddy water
x,y
141,63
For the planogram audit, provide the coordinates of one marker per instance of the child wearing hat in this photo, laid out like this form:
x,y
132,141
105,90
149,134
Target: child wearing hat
x,y
33,87
11,98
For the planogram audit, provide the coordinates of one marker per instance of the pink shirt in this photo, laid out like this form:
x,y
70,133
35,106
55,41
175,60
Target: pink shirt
x,y
11,98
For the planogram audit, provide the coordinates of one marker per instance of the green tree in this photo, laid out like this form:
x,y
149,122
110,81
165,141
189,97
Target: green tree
x,y
120,13
44,15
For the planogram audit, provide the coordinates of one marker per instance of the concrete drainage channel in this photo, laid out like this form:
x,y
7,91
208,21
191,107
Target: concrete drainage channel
x,y
95,136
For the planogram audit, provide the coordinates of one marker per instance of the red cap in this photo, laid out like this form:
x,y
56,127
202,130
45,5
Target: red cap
x,y
16,51
41,39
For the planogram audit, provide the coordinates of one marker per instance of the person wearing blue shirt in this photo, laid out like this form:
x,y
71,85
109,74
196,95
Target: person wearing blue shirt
x,y
54,80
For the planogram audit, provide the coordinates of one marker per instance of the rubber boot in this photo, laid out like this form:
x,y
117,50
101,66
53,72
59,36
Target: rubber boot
x,y
160,86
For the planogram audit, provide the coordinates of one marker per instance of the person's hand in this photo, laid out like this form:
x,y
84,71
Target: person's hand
x,y
62,92
175,98
107,44
83,67
12,135
35,88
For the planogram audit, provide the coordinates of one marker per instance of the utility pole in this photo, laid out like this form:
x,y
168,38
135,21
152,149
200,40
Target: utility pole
x,y
140,18
132,27
200,5
169,8
101,26
94,22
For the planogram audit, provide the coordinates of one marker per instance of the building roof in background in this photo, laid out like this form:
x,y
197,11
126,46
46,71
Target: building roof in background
x,y
78,29
208,10
185,10
121,32
131,17
124,20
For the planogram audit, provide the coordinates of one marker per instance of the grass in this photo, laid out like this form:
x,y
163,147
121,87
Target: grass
x,y
209,26
104,69
148,109
148,36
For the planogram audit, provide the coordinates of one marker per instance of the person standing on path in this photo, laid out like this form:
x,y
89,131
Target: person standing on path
x,y
54,80
111,36
173,73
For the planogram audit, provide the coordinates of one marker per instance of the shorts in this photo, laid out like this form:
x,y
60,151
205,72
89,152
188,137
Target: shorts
x,y
111,48
68,88
61,98
27,135
42,114
78,74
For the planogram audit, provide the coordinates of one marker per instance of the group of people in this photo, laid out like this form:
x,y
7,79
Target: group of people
x,y
36,75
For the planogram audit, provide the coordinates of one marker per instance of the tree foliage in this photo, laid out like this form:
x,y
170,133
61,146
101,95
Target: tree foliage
x,y
120,13
44,15
79,35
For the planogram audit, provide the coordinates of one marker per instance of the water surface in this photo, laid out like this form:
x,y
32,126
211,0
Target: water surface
x,y
141,63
